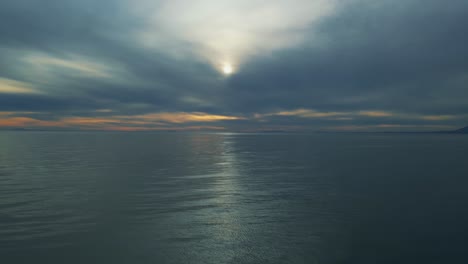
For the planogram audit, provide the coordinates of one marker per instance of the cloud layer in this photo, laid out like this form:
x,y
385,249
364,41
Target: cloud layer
x,y
298,65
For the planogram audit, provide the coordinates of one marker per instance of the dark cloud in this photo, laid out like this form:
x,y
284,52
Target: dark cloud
x,y
35,102
386,55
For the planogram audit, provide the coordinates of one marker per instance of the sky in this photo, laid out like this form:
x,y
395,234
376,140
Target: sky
x,y
244,65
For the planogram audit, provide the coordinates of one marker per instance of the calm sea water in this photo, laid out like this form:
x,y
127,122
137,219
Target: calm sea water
x,y
232,198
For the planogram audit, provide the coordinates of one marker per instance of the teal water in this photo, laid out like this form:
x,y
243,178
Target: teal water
x,y
70,197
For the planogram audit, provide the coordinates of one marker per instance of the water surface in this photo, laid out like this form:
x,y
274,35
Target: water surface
x,y
71,197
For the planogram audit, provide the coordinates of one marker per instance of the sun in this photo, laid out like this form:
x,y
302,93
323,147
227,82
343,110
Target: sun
x,y
228,69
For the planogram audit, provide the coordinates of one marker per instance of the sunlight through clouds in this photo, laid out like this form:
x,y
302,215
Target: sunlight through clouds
x,y
229,32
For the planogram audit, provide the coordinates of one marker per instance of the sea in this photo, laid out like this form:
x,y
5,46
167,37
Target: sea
x,y
337,198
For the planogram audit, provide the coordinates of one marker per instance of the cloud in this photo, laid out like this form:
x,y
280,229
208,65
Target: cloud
x,y
146,122
297,64
76,66
387,56
27,122
182,117
303,113
375,113
15,87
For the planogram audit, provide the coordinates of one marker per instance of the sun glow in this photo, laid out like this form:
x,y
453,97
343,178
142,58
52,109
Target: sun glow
x,y
228,69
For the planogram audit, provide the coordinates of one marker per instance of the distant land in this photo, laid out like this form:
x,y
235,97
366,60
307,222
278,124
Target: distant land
x,y
462,130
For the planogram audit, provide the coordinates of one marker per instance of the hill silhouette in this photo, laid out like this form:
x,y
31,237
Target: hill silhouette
x,y
462,130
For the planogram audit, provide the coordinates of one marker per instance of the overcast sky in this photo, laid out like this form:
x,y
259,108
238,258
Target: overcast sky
x,y
243,65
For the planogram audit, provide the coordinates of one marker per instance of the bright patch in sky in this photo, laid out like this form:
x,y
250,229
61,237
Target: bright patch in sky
x,y
227,69
229,30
